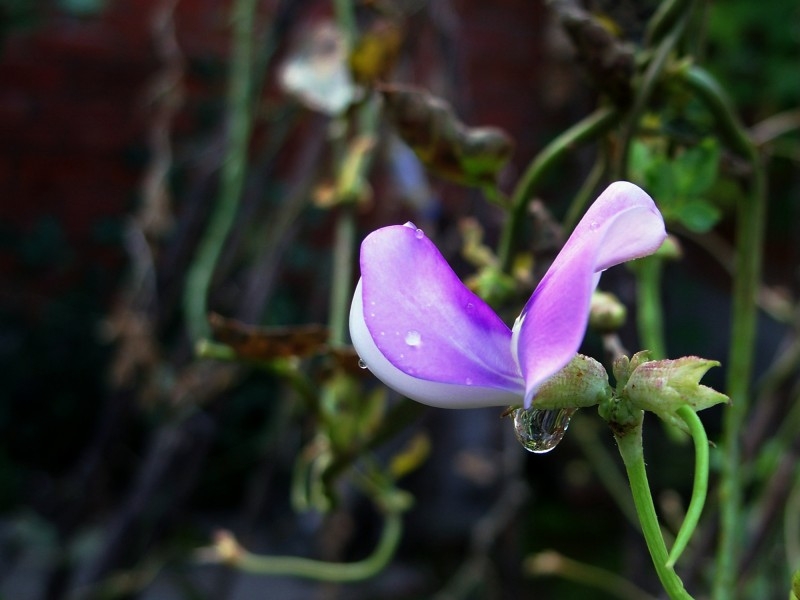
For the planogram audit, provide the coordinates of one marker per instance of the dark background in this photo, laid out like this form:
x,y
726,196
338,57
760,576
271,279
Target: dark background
x,y
88,391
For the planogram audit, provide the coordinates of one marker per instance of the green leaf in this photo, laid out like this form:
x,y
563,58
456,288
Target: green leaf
x,y
696,169
641,157
661,183
699,215
796,585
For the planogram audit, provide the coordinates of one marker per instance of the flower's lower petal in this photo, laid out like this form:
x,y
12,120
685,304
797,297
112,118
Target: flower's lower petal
x,y
622,224
433,393
424,321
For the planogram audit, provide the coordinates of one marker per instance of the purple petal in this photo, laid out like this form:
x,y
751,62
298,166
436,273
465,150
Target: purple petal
x,y
433,393
413,314
622,224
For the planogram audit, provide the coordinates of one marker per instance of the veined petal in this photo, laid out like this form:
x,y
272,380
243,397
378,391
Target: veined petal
x,y
425,323
622,224
432,393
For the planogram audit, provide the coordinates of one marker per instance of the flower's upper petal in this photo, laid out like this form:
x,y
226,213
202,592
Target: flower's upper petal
x,y
424,321
622,224
433,393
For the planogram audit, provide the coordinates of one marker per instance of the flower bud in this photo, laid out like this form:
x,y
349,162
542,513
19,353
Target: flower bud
x,y
606,312
583,382
663,386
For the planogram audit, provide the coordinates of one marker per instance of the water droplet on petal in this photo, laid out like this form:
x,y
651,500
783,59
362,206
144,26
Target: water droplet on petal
x,y
468,381
539,430
419,234
413,338
593,225
361,364
470,307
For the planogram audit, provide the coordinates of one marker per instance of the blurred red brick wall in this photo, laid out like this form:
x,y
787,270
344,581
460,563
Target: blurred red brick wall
x,y
74,109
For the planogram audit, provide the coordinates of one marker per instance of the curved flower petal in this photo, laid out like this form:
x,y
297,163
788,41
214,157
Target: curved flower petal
x,y
622,224
415,323
433,393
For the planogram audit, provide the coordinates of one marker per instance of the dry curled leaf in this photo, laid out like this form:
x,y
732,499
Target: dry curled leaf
x,y
376,51
467,155
267,343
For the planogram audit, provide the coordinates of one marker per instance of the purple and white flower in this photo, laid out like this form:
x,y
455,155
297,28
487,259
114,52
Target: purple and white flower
x,y
423,333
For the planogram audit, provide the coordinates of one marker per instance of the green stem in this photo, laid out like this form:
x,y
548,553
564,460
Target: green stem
x,y
629,442
584,195
240,91
791,528
700,487
666,15
749,236
650,313
750,218
589,128
341,289
645,90
367,120
346,19
719,105
552,563
292,566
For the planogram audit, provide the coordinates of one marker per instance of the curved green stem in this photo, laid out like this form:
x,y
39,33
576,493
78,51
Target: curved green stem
x,y
293,566
584,195
700,487
589,128
719,105
629,442
650,313
240,92
645,90
552,563
666,15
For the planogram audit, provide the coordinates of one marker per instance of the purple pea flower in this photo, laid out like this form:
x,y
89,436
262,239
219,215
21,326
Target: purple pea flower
x,y
423,333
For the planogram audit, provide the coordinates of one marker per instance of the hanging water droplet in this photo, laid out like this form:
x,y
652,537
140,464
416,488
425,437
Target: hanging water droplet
x,y
361,364
419,234
413,338
468,381
540,430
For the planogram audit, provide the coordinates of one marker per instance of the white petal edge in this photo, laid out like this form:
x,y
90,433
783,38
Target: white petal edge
x,y
432,393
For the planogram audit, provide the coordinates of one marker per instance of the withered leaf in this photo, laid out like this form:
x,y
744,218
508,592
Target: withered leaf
x,y
376,51
470,156
267,343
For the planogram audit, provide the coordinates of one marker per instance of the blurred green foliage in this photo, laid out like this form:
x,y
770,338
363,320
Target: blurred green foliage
x,y
754,49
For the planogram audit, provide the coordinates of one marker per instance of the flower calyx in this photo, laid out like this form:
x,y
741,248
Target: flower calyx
x,y
663,386
581,384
